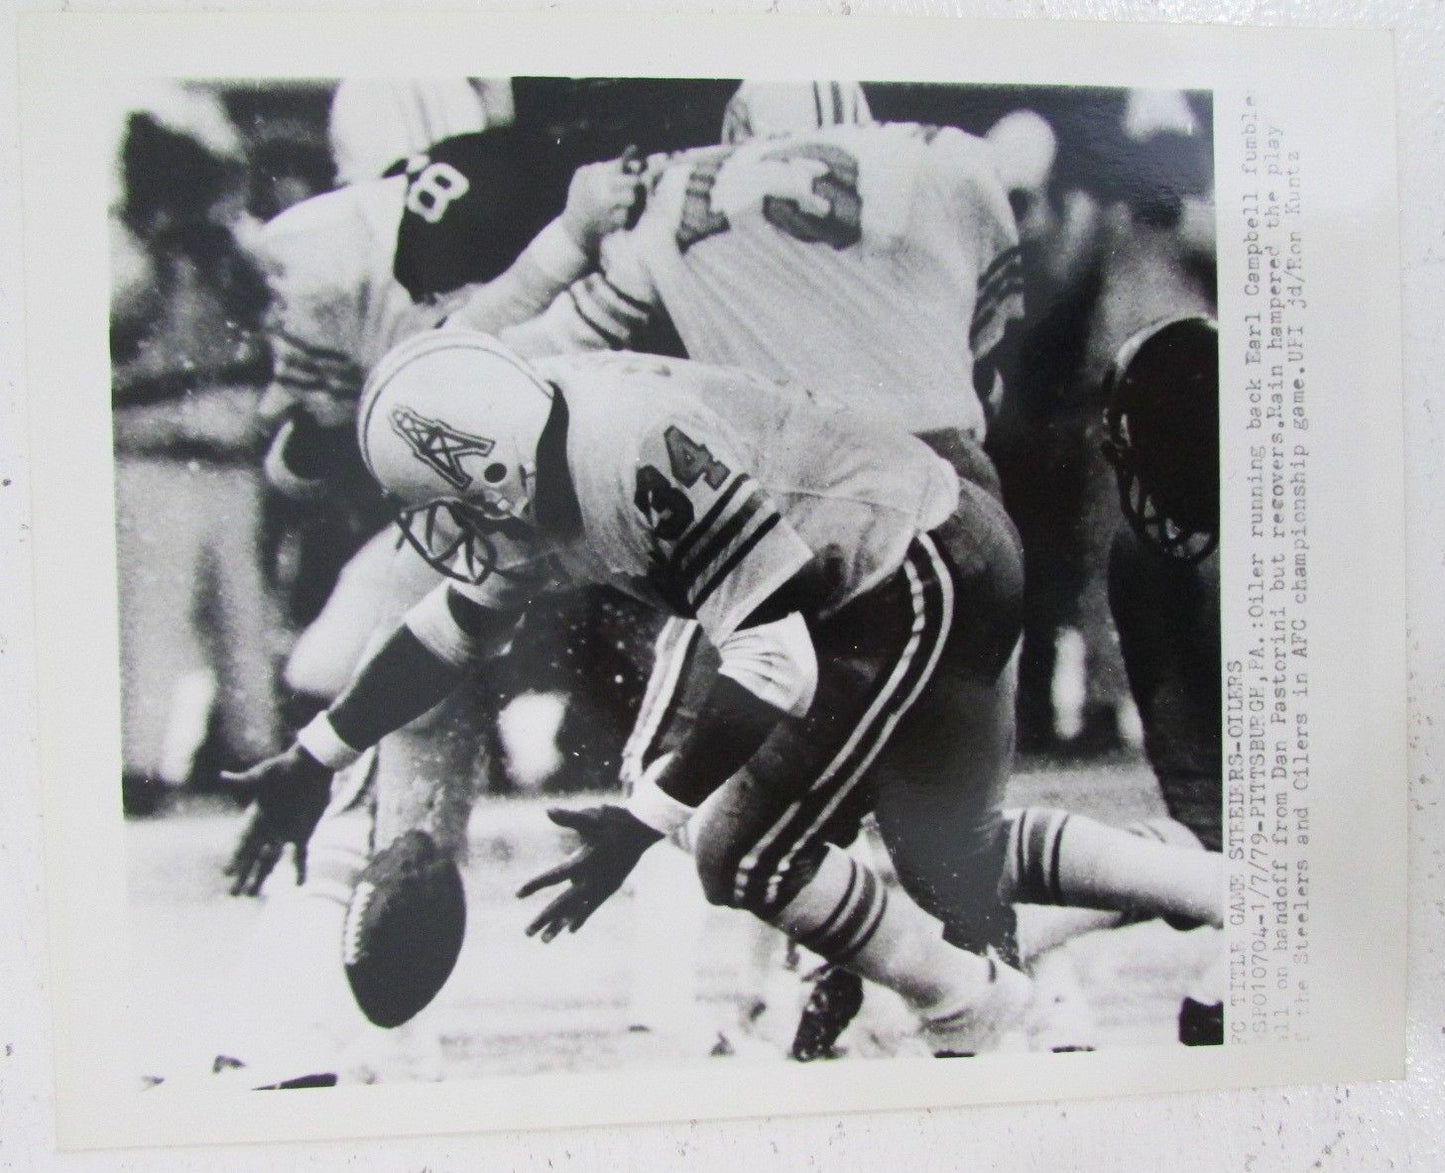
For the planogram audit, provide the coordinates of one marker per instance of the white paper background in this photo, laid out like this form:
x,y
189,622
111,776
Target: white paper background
x,y
1338,1128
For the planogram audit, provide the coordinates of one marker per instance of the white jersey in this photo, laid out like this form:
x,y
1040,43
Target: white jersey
x,y
701,491
898,298
336,306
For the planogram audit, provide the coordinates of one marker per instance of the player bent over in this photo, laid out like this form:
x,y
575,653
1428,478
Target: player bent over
x,y
864,603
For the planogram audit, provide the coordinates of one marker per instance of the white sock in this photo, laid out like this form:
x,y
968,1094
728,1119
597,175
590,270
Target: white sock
x,y
846,914
1055,857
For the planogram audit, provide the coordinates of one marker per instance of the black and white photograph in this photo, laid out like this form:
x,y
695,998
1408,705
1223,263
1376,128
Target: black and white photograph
x,y
724,474
707,578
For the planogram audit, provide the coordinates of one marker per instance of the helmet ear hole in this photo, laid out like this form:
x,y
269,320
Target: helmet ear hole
x,y
495,473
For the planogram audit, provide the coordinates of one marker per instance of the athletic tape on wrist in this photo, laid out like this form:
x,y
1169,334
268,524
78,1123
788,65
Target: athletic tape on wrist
x,y
649,804
320,739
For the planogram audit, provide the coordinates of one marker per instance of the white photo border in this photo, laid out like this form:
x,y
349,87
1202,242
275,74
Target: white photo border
x,y
1335,92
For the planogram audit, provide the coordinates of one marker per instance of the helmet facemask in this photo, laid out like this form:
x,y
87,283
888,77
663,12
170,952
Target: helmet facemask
x,y
454,537
1163,440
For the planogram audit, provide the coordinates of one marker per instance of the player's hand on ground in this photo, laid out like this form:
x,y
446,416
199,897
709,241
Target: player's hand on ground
x,y
291,792
602,197
612,841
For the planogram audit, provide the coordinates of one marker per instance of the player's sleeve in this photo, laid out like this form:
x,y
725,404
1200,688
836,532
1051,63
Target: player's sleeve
x,y
719,546
605,310
304,366
546,267
993,334
308,321
998,308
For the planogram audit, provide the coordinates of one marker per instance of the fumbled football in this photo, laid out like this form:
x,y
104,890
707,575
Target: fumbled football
x,y
403,929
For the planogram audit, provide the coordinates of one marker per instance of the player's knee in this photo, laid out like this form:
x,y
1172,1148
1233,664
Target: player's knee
x,y
717,870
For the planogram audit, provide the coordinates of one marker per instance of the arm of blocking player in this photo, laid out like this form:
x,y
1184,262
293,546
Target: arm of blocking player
x,y
600,199
605,310
424,659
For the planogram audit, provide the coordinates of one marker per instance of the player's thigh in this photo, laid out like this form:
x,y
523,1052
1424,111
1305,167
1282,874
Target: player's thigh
x,y
983,554
939,782
938,792
429,773
376,588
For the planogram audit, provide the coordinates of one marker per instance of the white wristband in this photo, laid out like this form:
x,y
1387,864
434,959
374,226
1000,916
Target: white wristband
x,y
649,804
320,739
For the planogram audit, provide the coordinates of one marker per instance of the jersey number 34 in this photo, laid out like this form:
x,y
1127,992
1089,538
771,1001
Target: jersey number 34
x,y
667,508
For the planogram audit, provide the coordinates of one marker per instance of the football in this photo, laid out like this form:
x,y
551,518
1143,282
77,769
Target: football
x,y
403,929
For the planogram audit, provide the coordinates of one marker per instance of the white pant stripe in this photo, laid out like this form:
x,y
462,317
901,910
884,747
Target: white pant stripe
x,y
865,727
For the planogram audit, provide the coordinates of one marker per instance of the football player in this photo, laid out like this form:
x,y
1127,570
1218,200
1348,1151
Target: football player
x,y
877,260
863,599
792,250
1163,442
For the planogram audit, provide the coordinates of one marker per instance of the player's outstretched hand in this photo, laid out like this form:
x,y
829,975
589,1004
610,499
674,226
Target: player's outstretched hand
x,y
603,197
292,790
612,841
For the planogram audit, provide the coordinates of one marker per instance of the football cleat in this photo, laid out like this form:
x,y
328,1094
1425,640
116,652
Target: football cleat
x,y
834,1002
1201,1024
1171,833
1060,1018
994,1022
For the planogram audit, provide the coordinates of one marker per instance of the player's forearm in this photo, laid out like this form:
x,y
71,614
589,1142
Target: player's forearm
x,y
442,637
403,680
544,269
731,728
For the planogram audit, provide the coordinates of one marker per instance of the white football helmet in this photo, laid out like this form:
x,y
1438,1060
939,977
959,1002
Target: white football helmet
x,y
448,425
762,109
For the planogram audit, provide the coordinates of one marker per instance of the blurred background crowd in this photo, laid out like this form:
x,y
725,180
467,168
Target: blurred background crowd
x,y
1113,194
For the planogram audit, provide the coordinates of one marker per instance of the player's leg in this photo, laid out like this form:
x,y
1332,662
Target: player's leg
x,y
422,776
764,840
289,1013
245,621
376,586
430,772
1167,614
